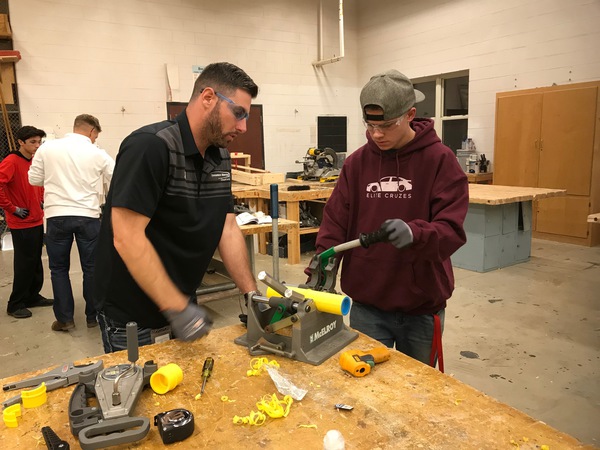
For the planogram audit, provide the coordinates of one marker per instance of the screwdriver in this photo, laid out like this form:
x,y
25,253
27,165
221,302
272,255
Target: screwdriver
x,y
206,371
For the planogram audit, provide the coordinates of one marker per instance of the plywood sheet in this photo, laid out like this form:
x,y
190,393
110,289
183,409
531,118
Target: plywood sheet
x,y
7,80
400,404
498,195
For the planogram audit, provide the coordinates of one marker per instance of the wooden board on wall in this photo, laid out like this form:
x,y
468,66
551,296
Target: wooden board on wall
x,y
7,80
5,31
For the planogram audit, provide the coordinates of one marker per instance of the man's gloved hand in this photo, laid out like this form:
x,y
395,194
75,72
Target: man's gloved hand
x,y
400,234
21,213
190,324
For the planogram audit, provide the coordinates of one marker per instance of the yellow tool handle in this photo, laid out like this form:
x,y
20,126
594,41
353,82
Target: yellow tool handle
x,y
380,354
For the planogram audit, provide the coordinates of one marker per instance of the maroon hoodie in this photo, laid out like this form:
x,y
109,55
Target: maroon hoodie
x,y
422,184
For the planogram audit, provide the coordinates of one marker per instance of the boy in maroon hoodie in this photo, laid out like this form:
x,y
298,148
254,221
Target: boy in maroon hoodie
x,y
22,204
405,178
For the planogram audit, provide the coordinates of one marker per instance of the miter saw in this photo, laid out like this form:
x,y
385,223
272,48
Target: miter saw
x,y
320,164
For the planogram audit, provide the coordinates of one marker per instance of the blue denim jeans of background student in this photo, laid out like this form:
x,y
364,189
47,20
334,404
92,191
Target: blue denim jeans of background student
x,y
60,232
411,335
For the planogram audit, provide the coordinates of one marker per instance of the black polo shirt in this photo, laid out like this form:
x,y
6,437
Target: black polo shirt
x,y
160,173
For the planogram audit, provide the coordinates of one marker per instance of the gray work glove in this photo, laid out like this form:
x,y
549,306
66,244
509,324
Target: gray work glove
x,y
400,234
21,213
190,324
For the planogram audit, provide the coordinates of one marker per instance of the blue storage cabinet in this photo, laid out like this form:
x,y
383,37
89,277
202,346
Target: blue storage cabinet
x,y
497,236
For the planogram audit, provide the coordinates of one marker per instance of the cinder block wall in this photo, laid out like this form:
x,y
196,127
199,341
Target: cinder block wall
x,y
108,58
506,45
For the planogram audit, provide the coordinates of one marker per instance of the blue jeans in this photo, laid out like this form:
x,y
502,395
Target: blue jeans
x,y
412,335
59,240
114,334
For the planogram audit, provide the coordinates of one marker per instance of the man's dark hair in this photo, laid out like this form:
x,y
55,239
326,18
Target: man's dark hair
x,y
27,132
226,78
87,119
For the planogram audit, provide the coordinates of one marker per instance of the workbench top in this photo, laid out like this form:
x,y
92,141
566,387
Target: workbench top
x,y
492,194
400,404
283,225
316,190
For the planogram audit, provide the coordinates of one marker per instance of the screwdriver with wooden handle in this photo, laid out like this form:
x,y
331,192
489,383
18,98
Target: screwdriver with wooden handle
x,y
206,371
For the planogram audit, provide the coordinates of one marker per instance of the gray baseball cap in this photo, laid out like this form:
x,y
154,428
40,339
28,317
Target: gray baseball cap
x,y
391,91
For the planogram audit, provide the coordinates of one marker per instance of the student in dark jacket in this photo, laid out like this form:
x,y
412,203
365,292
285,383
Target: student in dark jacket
x,y
406,178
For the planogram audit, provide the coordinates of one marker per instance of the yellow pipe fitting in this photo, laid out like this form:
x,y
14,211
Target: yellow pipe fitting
x,y
10,415
34,397
166,378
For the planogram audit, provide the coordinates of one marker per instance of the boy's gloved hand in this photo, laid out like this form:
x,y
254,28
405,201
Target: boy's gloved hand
x,y
400,234
21,213
190,324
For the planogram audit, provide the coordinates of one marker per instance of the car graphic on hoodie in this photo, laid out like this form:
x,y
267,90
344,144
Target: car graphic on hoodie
x,y
390,184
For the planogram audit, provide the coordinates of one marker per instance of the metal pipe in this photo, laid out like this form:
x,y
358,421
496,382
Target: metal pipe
x,y
215,288
275,228
274,284
321,61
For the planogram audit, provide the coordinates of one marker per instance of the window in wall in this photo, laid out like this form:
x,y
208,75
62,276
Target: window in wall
x,y
447,103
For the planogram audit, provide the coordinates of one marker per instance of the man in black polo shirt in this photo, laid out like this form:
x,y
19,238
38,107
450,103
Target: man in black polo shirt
x,y
168,208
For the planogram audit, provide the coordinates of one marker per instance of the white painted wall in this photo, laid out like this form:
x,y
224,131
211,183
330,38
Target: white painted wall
x,y
108,58
506,45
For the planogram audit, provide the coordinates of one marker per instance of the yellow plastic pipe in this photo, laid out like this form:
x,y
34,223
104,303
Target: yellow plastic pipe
x,y
324,301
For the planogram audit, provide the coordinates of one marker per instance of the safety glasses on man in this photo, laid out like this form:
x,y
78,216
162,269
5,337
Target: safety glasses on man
x,y
385,126
238,111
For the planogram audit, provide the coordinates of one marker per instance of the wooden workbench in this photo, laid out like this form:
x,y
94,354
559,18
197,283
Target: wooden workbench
x,y
290,227
484,194
400,404
498,226
258,198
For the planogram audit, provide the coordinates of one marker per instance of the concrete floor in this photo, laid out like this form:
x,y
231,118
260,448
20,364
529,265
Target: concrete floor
x,y
527,335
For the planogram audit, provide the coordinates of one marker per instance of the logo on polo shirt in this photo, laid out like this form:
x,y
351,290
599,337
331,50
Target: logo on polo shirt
x,y
220,176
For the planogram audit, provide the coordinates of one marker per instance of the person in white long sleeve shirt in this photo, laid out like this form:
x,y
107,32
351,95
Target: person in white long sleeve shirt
x,y
72,170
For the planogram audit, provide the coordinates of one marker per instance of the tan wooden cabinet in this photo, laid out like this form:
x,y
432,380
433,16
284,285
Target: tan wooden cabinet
x,y
550,138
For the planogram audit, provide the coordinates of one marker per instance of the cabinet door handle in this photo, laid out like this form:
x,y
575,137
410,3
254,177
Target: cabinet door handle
x,y
541,145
